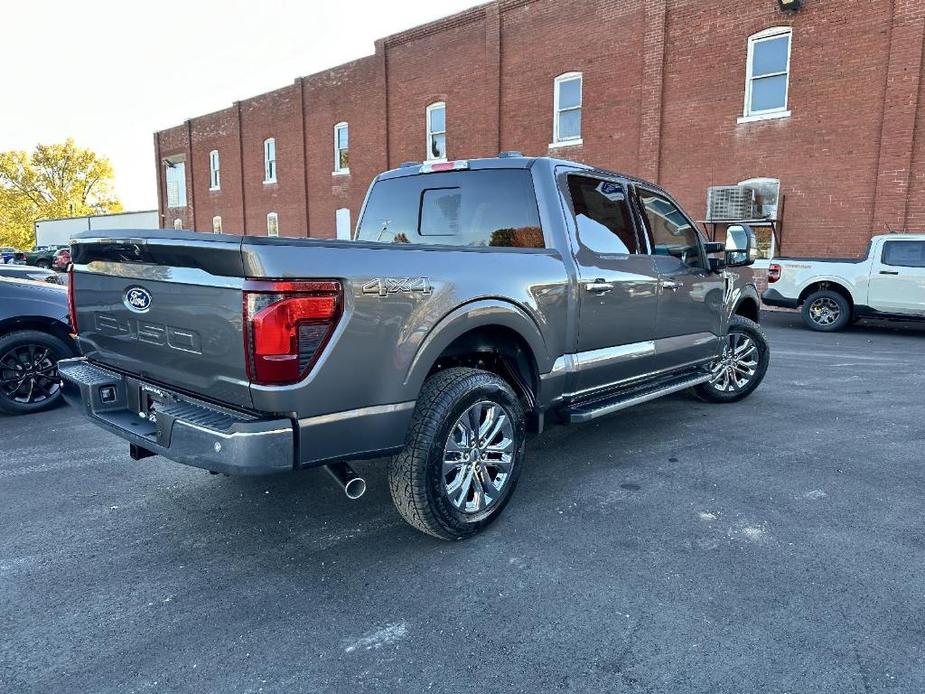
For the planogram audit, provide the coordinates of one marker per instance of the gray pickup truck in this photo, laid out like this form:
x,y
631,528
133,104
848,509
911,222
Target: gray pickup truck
x,y
480,300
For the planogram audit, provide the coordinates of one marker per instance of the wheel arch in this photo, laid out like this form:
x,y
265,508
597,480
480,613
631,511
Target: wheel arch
x,y
40,323
748,307
834,285
492,335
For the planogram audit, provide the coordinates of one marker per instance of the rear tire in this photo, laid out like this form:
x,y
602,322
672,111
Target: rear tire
x,y
44,264
743,366
28,371
826,311
463,454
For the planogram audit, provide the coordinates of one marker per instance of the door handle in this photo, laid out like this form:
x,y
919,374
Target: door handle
x,y
672,285
888,272
599,286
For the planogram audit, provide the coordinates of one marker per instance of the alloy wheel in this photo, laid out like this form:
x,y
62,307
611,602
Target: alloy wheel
x,y
478,457
738,365
28,374
824,311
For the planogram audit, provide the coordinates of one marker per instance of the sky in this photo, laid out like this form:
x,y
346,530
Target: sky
x,y
109,73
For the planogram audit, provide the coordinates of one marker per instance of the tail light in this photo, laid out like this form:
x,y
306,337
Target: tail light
x,y
774,271
71,306
286,326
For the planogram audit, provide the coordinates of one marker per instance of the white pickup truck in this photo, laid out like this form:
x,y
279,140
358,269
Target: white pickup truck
x,y
888,282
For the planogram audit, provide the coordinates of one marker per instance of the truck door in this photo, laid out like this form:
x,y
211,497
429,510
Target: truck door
x,y
897,278
618,285
690,296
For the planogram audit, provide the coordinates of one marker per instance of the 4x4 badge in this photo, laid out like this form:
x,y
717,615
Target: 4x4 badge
x,y
383,286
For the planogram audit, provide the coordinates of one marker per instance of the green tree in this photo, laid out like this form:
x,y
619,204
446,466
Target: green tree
x,y
61,180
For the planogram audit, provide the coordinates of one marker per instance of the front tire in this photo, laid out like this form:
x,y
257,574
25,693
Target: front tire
x,y
463,454
44,264
826,311
29,371
742,367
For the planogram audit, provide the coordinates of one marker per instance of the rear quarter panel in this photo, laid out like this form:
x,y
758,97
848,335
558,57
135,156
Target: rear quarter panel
x,y
20,299
797,275
402,305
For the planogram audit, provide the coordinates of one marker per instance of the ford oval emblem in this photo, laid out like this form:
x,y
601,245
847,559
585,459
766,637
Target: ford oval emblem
x,y
137,299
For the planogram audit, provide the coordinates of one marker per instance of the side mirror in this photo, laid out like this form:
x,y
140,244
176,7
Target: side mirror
x,y
741,246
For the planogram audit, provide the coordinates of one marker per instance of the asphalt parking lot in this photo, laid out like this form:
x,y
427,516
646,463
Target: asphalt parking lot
x,y
776,545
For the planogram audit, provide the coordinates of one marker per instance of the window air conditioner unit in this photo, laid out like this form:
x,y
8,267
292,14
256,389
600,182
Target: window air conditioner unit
x,y
730,203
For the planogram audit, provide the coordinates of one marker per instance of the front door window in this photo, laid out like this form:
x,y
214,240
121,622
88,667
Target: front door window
x,y
670,230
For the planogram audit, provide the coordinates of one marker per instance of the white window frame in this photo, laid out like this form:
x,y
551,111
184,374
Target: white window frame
x,y
217,224
343,230
749,115
177,223
176,189
215,173
556,111
269,162
338,169
430,109
762,263
274,227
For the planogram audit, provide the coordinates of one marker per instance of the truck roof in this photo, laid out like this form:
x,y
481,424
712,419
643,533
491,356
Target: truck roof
x,y
506,160
907,235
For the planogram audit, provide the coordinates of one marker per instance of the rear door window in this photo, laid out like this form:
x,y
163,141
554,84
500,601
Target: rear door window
x,y
602,216
481,208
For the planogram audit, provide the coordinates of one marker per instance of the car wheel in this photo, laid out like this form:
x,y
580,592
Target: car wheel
x,y
463,454
743,365
29,371
44,264
826,311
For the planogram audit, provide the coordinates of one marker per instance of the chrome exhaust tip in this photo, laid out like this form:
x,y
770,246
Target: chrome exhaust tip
x,y
353,485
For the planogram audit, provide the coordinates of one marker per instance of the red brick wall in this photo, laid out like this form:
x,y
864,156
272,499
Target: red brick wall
x,y
171,143
603,41
355,94
447,65
663,88
277,115
216,131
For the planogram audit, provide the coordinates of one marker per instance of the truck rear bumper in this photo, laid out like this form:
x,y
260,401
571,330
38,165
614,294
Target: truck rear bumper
x,y
772,297
179,428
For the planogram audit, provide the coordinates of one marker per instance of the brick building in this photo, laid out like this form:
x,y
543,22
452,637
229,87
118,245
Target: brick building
x,y
825,105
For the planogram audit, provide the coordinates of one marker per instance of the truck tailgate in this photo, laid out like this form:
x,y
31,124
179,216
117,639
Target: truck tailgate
x,y
166,307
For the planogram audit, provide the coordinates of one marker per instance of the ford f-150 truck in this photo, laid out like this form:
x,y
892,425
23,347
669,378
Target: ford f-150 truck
x,y
888,281
479,301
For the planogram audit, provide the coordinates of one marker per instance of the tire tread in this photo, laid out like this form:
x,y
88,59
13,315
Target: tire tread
x,y
407,470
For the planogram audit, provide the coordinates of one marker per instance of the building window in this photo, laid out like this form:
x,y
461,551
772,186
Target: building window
x,y
215,182
342,224
269,160
341,149
767,197
566,127
178,223
175,179
767,75
436,131
272,224
216,225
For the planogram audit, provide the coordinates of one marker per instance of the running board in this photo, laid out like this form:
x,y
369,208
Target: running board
x,y
598,408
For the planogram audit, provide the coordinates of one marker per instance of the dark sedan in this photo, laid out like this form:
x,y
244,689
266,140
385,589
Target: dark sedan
x,y
34,336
